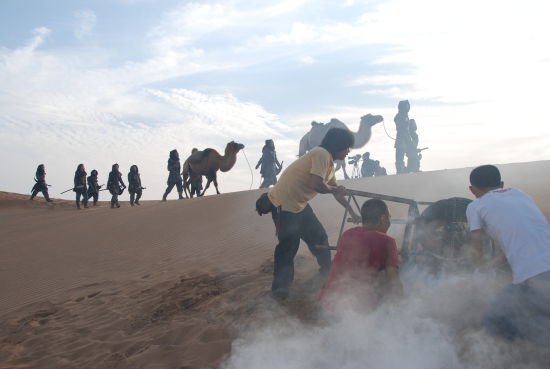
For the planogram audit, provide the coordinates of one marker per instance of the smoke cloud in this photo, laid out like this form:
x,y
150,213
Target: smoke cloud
x,y
437,325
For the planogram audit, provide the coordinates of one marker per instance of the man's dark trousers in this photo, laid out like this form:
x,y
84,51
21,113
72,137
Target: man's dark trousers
x,y
292,227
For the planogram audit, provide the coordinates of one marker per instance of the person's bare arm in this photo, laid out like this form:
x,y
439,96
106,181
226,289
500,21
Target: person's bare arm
x,y
338,192
340,196
498,260
477,244
319,185
478,237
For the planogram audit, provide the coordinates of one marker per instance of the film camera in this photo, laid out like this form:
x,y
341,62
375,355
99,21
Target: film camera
x,y
354,159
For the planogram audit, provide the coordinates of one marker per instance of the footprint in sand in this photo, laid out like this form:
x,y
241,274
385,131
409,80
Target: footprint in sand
x,y
94,294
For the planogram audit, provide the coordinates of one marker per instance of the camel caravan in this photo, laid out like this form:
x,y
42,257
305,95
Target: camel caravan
x,y
187,178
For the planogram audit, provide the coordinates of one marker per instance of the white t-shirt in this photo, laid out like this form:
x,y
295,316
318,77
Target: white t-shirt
x,y
513,220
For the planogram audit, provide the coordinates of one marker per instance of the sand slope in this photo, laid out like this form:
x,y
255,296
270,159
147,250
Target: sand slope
x,y
165,284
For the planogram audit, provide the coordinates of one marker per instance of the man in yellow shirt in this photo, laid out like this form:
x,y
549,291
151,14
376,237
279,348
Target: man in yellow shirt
x,y
294,219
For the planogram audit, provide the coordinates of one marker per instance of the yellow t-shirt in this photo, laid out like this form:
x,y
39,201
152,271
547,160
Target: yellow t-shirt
x,y
293,190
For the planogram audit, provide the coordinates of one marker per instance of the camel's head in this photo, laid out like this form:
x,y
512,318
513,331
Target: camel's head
x,y
233,147
371,120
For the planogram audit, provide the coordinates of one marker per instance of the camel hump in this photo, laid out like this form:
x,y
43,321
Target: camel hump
x,y
206,152
335,123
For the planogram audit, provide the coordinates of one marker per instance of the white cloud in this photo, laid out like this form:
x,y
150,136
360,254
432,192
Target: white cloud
x,y
61,112
85,21
382,80
307,59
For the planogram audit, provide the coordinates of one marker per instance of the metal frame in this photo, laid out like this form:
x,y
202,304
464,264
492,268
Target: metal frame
x,y
412,214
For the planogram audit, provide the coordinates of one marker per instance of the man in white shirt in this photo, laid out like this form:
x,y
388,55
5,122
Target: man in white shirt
x,y
511,218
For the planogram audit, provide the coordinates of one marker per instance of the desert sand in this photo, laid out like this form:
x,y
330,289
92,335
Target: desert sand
x,y
168,285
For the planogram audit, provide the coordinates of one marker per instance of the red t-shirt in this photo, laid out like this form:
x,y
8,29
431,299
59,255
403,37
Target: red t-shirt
x,y
360,256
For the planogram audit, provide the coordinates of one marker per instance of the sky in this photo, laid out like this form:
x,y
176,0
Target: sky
x,y
126,81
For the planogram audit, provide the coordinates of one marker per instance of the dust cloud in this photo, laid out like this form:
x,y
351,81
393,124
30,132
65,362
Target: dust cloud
x,y
436,325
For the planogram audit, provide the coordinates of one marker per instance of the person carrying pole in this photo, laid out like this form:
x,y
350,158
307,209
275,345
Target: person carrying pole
x,y
80,186
40,184
134,185
115,185
93,187
174,178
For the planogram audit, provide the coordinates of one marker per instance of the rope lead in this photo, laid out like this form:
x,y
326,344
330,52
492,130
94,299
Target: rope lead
x,y
251,172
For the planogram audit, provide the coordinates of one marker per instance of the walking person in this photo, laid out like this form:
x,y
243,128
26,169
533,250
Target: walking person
x,y
294,218
174,178
40,184
195,180
134,185
93,187
115,185
80,186
270,166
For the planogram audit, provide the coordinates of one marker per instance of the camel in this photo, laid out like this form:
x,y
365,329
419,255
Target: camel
x,y
207,163
318,131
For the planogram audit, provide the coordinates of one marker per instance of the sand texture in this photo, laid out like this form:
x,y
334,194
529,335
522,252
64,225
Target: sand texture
x,y
168,285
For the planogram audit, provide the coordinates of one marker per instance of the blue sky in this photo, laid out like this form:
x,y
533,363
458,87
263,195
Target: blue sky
x,y
128,80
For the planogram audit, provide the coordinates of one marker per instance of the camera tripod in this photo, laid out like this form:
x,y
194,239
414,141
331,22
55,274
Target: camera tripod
x,y
356,172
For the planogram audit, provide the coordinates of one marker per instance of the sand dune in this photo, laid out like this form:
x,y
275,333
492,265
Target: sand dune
x,y
166,285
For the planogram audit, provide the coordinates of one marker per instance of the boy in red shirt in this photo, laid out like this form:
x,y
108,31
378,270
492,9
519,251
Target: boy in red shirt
x,y
365,268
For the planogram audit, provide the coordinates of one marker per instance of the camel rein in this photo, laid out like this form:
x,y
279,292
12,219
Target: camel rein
x,y
249,167
385,130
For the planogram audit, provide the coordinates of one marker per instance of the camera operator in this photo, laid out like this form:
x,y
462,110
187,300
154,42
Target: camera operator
x,y
368,167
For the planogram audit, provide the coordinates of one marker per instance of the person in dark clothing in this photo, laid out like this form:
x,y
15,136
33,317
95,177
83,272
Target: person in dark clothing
x,y
368,166
40,184
403,137
413,154
115,185
93,187
196,181
270,166
174,178
80,186
134,185
379,170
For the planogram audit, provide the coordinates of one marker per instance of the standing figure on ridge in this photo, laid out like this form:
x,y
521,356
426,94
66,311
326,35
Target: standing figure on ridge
x,y
93,187
134,185
413,153
368,166
40,184
196,180
80,186
270,166
379,170
115,185
174,178
403,137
